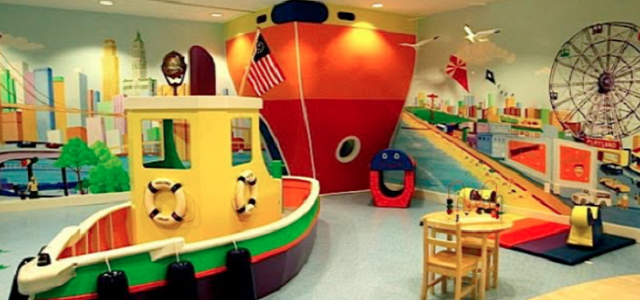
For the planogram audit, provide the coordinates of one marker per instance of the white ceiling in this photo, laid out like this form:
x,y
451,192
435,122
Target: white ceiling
x,y
200,10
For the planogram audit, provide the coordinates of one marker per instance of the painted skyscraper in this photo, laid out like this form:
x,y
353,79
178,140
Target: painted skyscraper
x,y
44,85
139,84
21,68
139,57
77,98
60,103
7,89
110,71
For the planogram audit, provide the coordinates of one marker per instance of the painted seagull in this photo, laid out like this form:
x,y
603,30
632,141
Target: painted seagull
x,y
481,36
420,44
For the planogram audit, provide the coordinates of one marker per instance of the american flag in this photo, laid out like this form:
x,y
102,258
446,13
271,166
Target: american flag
x,y
264,72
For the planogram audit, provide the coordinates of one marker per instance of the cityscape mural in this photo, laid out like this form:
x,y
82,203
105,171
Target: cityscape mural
x,y
56,88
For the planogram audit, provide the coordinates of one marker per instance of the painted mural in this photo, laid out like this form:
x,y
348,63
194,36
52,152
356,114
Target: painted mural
x,y
549,125
63,127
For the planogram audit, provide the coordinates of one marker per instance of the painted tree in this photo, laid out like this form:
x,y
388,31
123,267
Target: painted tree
x,y
108,176
75,155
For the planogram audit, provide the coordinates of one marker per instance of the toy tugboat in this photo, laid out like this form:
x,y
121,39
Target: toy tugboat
x,y
200,189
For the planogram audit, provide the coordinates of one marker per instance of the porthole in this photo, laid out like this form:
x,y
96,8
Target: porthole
x,y
348,149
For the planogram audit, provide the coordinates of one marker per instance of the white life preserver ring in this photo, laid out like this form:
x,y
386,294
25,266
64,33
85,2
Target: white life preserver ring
x,y
162,184
246,177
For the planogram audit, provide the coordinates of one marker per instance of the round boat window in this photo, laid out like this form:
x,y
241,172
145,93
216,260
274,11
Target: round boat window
x,y
348,149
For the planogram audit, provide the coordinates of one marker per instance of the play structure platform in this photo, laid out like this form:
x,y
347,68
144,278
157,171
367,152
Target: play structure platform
x,y
205,194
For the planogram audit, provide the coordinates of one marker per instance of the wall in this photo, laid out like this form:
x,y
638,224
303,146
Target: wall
x,y
67,40
72,65
521,57
533,31
345,81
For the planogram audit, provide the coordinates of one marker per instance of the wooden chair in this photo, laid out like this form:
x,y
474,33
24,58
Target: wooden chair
x,y
473,246
450,262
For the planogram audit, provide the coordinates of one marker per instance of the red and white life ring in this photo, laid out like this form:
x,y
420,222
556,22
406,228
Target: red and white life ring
x,y
246,177
163,184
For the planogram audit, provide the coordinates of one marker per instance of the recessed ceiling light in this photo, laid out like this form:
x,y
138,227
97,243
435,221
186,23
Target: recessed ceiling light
x,y
377,5
217,15
106,2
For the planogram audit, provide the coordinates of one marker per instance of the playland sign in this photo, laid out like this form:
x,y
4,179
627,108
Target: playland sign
x,y
608,144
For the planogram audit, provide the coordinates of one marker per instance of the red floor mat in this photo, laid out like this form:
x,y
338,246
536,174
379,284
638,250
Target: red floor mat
x,y
527,230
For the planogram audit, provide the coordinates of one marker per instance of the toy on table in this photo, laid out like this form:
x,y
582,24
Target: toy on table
x,y
586,226
392,160
482,201
450,206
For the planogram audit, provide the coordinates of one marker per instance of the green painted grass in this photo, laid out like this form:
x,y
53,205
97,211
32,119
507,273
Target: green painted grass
x,y
438,116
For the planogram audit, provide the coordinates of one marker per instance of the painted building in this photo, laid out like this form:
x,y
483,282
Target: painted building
x,y
95,130
77,132
499,128
483,143
110,70
494,145
482,127
12,126
575,166
118,109
95,99
106,111
77,98
29,116
472,140
55,136
7,89
531,156
59,97
114,141
45,120
140,84
20,69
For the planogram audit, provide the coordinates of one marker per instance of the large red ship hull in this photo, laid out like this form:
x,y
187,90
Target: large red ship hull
x,y
341,81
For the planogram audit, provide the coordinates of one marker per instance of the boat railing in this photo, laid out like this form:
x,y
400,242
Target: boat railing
x,y
36,278
296,192
310,200
103,231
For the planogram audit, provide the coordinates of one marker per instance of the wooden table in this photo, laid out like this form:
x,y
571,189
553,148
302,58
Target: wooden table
x,y
476,225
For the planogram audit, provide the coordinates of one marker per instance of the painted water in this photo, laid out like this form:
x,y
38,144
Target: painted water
x,y
48,176
435,169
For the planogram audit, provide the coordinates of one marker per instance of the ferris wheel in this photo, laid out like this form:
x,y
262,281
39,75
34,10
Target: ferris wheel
x,y
595,82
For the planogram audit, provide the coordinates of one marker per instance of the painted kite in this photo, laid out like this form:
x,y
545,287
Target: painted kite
x,y
457,69
490,77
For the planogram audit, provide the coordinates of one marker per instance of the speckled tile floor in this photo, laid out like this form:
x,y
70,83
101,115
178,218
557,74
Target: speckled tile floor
x,y
362,252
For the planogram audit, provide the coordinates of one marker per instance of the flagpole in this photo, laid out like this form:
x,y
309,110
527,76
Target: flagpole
x,y
246,69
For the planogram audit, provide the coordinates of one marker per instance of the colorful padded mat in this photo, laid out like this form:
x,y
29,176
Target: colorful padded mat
x,y
548,240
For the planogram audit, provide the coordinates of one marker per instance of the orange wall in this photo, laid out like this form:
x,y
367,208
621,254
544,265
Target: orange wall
x,y
354,63
338,62
281,41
